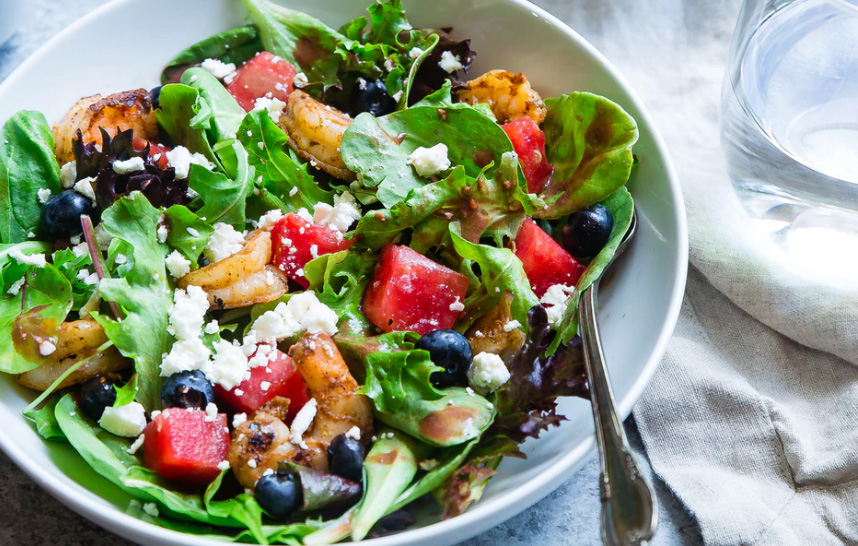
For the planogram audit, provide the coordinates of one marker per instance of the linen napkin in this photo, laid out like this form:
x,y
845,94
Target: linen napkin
x,y
751,418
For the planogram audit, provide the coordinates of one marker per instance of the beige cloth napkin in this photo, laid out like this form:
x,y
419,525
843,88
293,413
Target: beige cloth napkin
x,y
752,418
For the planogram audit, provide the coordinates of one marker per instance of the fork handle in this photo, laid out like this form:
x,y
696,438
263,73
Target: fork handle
x,y
629,509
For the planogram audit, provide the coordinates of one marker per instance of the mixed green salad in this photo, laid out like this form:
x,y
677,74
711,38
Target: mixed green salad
x,y
316,276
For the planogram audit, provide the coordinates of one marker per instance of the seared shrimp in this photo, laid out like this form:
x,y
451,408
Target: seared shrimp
x,y
489,333
119,111
315,132
77,340
266,440
509,95
245,278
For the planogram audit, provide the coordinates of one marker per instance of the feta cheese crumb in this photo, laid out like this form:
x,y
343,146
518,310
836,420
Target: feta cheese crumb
x,y
511,325
162,233
120,259
138,443
293,191
193,232
218,68
211,412
415,52
68,174
131,165
43,194
127,421
185,355
457,305
450,63
340,216
430,161
251,463
181,159
398,95
37,260
228,367
267,220
487,373
300,80
274,107
84,187
389,64
429,464
302,422
212,327
265,385
16,287
555,300
224,242
177,265
151,508
47,348
239,419
223,465
187,313
353,433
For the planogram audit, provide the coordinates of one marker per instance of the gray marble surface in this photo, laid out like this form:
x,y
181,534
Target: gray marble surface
x,y
569,515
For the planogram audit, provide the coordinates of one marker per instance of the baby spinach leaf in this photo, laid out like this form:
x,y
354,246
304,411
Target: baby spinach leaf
x,y
282,176
339,280
589,141
621,205
189,234
235,45
225,114
224,198
179,105
46,421
27,164
142,294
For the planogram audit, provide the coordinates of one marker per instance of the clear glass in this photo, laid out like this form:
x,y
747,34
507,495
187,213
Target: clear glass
x,y
789,128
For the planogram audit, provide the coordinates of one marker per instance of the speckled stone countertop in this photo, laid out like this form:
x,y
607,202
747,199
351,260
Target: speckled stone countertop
x,y
569,515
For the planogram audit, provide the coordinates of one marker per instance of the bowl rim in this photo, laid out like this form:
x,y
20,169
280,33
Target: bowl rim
x,y
478,518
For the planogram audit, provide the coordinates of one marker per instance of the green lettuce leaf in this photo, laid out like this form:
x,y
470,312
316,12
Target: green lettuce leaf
x,y
27,164
189,243
224,115
142,294
339,280
589,141
70,265
179,105
224,197
235,46
45,421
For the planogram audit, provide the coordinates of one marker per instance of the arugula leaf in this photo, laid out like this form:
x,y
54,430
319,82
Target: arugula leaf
x,y
621,206
32,315
281,174
189,234
589,141
126,393
224,115
339,280
70,265
224,198
46,422
179,105
236,46
142,294
27,164
398,383
500,271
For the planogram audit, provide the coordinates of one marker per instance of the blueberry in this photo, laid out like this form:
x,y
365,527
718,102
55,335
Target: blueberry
x,y
587,231
279,493
189,389
155,97
345,458
372,97
96,394
61,215
450,350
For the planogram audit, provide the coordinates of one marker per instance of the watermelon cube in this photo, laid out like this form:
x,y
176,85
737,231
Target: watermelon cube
x,y
265,75
295,241
181,444
528,141
545,261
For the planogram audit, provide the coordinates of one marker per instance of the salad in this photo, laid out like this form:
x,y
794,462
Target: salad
x,y
316,277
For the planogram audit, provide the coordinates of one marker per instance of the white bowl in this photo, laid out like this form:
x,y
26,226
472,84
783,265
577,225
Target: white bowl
x,y
638,310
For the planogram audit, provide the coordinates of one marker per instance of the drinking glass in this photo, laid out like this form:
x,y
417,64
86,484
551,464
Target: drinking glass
x,y
789,128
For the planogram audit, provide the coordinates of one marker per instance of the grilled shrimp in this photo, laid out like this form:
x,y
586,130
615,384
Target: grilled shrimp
x,y
489,333
77,340
119,111
315,132
265,285
265,438
509,95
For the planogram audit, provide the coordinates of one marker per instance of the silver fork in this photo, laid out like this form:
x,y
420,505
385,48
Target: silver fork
x,y
629,508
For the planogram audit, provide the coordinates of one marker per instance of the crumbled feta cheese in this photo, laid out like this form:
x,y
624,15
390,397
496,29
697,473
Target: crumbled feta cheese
x,y
415,52
555,300
251,463
274,107
267,220
314,316
127,421
218,68
131,165
47,348
188,312
212,327
80,249
68,174
193,232
487,372
224,242
238,392
261,356
37,260
293,191
177,265
16,287
353,433
300,80
305,215
511,325
181,159
43,194
450,63
120,259
83,273
151,508
162,233
340,216
228,367
429,464
302,422
239,419
102,237
268,472
84,187
138,443
31,235
457,305
275,325
185,355
265,385
430,161
211,412
398,95
389,64
223,465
